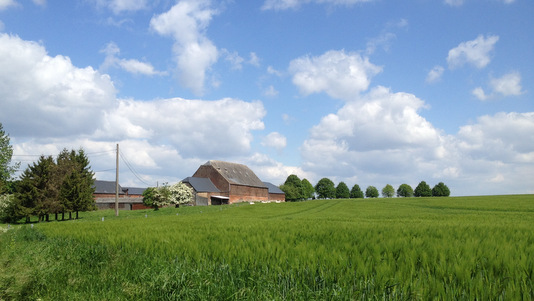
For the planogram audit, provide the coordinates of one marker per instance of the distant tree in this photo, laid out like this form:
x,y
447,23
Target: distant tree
x,y
388,191
7,169
8,207
325,189
308,189
441,190
422,190
371,192
356,192
342,191
293,188
405,190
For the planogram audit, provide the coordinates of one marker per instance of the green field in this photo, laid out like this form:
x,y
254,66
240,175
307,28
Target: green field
x,y
460,248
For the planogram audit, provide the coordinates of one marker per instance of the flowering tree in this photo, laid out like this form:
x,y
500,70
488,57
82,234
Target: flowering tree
x,y
176,194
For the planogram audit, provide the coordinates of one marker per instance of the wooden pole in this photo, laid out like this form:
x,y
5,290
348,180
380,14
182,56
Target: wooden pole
x,y
117,183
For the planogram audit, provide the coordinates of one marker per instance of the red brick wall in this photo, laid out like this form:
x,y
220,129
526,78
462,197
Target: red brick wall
x,y
206,171
242,193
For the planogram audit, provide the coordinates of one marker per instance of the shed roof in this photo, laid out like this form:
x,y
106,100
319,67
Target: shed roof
x,y
236,173
106,187
201,184
273,188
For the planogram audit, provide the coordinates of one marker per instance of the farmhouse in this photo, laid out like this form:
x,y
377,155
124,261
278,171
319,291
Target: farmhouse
x,y
130,198
219,182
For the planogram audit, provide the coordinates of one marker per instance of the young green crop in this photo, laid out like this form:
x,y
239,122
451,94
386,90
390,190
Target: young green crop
x,y
410,248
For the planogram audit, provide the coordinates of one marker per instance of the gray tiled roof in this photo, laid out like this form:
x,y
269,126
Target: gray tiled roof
x,y
236,173
106,187
134,190
201,184
273,188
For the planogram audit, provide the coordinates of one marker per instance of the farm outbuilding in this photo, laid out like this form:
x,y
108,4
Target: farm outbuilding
x,y
219,182
130,198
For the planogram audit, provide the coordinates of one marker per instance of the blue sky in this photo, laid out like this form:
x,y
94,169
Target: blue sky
x,y
369,92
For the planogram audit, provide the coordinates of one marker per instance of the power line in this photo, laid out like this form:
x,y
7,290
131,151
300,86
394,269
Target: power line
x,y
131,168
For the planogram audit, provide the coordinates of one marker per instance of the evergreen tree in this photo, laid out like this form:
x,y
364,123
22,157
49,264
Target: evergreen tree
x,y
342,191
356,192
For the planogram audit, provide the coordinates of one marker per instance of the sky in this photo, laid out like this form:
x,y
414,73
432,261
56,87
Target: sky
x,y
368,92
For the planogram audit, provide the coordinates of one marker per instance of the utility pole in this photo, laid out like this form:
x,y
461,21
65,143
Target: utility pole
x,y
117,183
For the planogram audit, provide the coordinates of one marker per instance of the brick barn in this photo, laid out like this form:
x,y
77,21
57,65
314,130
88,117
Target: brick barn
x,y
219,182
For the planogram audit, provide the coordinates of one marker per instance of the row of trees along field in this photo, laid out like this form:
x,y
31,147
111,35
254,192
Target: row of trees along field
x,y
48,186
297,190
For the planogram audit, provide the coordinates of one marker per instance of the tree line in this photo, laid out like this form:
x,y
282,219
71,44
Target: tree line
x,y
298,190
64,185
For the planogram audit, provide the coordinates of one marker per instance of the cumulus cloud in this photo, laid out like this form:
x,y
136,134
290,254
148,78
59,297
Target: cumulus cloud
x,y
48,96
475,52
49,104
275,140
287,4
129,65
341,75
507,85
186,22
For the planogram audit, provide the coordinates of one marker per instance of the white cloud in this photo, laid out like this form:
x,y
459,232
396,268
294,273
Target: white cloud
x,y
39,2
254,60
461,2
187,22
475,52
479,93
119,6
271,70
454,2
381,138
132,66
287,4
48,96
336,73
49,104
4,4
435,74
234,59
507,85
275,140
270,91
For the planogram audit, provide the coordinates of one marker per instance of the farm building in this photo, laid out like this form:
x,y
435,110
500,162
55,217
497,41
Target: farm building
x,y
130,198
219,182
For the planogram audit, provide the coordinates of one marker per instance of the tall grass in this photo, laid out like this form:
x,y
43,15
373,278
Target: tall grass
x,y
418,248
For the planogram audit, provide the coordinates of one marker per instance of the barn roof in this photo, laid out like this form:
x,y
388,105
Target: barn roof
x,y
236,173
201,184
133,190
106,187
273,188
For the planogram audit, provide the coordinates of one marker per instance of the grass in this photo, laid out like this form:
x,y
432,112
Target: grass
x,y
460,248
